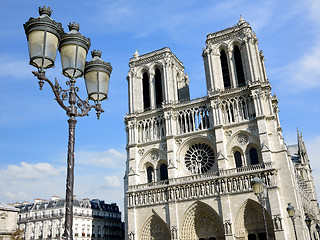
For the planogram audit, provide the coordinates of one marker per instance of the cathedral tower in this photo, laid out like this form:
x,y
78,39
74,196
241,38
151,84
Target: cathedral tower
x,y
191,163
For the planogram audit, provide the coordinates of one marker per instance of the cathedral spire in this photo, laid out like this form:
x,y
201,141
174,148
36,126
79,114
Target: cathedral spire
x,y
136,54
241,20
302,148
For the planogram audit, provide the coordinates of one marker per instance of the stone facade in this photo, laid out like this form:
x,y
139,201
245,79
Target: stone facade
x,y
8,220
191,162
92,219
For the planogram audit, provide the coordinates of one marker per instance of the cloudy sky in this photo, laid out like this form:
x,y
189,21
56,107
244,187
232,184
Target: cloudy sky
x,y
34,130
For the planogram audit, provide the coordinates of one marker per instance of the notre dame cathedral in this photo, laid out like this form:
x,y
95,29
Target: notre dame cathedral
x,y
192,164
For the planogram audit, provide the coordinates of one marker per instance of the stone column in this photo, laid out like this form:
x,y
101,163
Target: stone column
x,y
232,69
152,91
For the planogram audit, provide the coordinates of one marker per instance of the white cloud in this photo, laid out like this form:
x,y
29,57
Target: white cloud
x,y
106,159
27,181
304,73
111,182
29,172
314,6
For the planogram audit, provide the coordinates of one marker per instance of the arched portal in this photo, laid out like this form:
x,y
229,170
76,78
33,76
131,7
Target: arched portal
x,y
250,224
201,222
155,229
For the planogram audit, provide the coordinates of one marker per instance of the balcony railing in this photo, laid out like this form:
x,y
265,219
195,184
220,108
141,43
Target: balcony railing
x,y
231,181
201,177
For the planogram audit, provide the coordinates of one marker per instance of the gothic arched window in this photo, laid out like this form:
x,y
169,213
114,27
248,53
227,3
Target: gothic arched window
x,y
146,91
253,156
239,67
237,159
158,86
163,172
225,69
150,174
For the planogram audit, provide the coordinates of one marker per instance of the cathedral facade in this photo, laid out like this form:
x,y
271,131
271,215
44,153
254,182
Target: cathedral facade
x,y
191,164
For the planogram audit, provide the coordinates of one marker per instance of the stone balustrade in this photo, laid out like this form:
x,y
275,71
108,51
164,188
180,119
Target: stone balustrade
x,y
211,184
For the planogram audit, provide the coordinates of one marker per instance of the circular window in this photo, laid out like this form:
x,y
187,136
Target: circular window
x,y
199,158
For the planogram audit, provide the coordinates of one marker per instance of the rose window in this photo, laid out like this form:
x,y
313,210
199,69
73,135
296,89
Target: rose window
x,y
199,158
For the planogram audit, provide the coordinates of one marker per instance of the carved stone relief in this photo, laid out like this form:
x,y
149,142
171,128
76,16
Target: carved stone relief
x,y
141,151
228,133
242,139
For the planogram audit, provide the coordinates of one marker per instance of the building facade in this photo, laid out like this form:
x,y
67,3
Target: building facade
x,y
190,163
92,219
8,220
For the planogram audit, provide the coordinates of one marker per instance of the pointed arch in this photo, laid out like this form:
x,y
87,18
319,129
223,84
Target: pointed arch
x,y
201,221
239,66
225,69
249,221
155,229
158,86
146,90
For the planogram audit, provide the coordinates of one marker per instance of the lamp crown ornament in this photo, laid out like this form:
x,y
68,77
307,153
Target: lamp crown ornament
x,y
74,26
45,11
96,53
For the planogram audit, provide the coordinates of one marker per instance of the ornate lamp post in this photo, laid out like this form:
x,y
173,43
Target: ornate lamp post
x,y
308,222
260,190
290,210
44,37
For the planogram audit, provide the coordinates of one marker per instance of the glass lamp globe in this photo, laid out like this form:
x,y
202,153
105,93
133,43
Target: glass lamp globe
x,y
290,210
257,185
43,35
97,74
73,50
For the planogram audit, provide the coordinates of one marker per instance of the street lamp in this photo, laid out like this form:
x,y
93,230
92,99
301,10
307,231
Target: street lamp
x,y
260,190
308,223
290,210
44,37
318,229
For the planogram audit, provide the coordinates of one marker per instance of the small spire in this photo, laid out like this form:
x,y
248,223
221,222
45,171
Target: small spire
x,y
241,20
136,54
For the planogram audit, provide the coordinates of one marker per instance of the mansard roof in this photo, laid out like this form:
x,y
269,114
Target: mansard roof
x,y
7,207
94,204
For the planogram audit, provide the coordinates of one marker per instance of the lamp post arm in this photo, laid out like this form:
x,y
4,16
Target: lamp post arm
x,y
60,95
85,107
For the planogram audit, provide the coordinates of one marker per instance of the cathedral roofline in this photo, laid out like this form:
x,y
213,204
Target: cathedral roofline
x,y
160,53
240,25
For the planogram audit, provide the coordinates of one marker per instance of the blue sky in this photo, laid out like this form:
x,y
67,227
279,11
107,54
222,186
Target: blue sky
x,y
34,130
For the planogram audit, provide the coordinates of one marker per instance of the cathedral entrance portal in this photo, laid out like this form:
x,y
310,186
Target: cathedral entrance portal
x,y
201,222
250,223
155,229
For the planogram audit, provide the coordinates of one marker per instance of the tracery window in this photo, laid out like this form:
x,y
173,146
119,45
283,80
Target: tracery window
x,y
225,69
253,156
146,91
238,159
158,86
199,158
239,67
150,174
